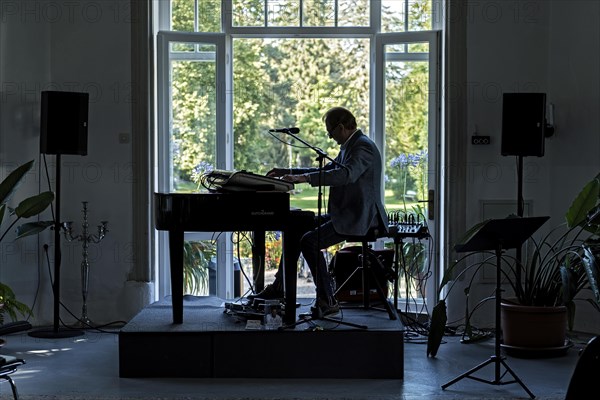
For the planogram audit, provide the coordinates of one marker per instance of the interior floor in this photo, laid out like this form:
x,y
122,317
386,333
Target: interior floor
x,y
86,367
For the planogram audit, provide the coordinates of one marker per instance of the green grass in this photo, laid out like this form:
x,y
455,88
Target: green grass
x,y
307,197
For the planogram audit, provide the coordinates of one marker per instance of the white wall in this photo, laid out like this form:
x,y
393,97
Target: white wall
x,y
24,68
75,46
532,46
574,82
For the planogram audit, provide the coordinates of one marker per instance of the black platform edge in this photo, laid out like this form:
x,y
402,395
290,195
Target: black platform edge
x,y
341,353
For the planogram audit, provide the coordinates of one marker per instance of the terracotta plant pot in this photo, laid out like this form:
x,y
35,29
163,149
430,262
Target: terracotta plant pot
x,y
533,327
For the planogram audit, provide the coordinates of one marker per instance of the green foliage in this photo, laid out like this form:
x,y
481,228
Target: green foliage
x,y
10,305
193,93
29,207
197,256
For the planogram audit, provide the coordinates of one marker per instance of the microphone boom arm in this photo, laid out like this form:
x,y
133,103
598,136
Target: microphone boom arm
x,y
320,153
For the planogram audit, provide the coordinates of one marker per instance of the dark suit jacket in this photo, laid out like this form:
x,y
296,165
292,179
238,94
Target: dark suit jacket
x,y
355,198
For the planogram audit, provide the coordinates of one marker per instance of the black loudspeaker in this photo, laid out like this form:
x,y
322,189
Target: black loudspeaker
x,y
64,123
523,124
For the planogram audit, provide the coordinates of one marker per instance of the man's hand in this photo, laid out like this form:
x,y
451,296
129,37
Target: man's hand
x,y
284,175
295,178
278,172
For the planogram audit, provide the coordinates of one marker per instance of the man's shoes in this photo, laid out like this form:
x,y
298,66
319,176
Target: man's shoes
x,y
272,291
323,308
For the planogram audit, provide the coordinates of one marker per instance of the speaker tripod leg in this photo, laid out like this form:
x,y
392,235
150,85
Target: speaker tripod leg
x,y
468,373
496,360
517,379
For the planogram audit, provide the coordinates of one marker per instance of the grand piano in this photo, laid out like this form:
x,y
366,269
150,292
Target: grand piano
x,y
254,211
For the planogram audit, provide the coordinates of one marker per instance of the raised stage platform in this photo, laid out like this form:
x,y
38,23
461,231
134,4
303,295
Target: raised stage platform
x,y
213,344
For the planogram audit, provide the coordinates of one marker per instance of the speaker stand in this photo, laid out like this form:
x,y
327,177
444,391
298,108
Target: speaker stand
x,y
57,331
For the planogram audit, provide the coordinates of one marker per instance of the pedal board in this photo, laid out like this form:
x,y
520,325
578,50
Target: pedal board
x,y
243,311
251,310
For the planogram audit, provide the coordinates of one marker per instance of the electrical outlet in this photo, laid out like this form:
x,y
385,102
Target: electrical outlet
x,y
478,139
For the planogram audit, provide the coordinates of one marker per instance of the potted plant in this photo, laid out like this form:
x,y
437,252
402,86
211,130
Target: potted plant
x,y
552,274
27,208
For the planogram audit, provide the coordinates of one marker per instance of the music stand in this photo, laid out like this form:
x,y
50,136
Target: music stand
x,y
499,235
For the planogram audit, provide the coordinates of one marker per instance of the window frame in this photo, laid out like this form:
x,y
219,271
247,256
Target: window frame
x,y
224,44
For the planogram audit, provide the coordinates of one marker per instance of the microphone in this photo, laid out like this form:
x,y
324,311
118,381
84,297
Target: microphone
x,y
286,130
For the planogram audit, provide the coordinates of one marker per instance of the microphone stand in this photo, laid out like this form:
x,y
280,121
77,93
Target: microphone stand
x,y
321,156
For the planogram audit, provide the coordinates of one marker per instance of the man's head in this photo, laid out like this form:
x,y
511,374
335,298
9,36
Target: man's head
x,y
340,124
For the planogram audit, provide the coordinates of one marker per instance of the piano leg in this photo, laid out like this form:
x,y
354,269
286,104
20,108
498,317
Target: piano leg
x,y
176,258
290,262
258,261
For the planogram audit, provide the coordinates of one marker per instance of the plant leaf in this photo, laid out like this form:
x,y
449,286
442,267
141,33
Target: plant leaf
x,y
12,181
569,284
11,306
593,221
593,272
34,205
571,308
436,328
449,273
32,228
471,232
583,203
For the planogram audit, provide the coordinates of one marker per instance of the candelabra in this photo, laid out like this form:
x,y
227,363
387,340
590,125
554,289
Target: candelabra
x,y
85,238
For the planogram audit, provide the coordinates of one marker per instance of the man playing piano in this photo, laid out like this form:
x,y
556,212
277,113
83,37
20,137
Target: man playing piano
x,y
355,205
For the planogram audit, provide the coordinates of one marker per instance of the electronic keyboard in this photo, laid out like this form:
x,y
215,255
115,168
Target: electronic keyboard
x,y
235,181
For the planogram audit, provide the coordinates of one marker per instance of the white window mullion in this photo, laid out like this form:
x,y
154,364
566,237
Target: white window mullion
x,y
224,156
377,94
164,15
163,92
161,149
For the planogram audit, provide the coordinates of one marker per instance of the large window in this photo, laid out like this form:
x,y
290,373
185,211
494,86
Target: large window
x,y
231,70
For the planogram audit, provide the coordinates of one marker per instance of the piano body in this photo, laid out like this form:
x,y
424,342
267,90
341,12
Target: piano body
x,y
222,212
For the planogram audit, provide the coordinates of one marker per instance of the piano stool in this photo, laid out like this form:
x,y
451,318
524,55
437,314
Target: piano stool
x,y
8,365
